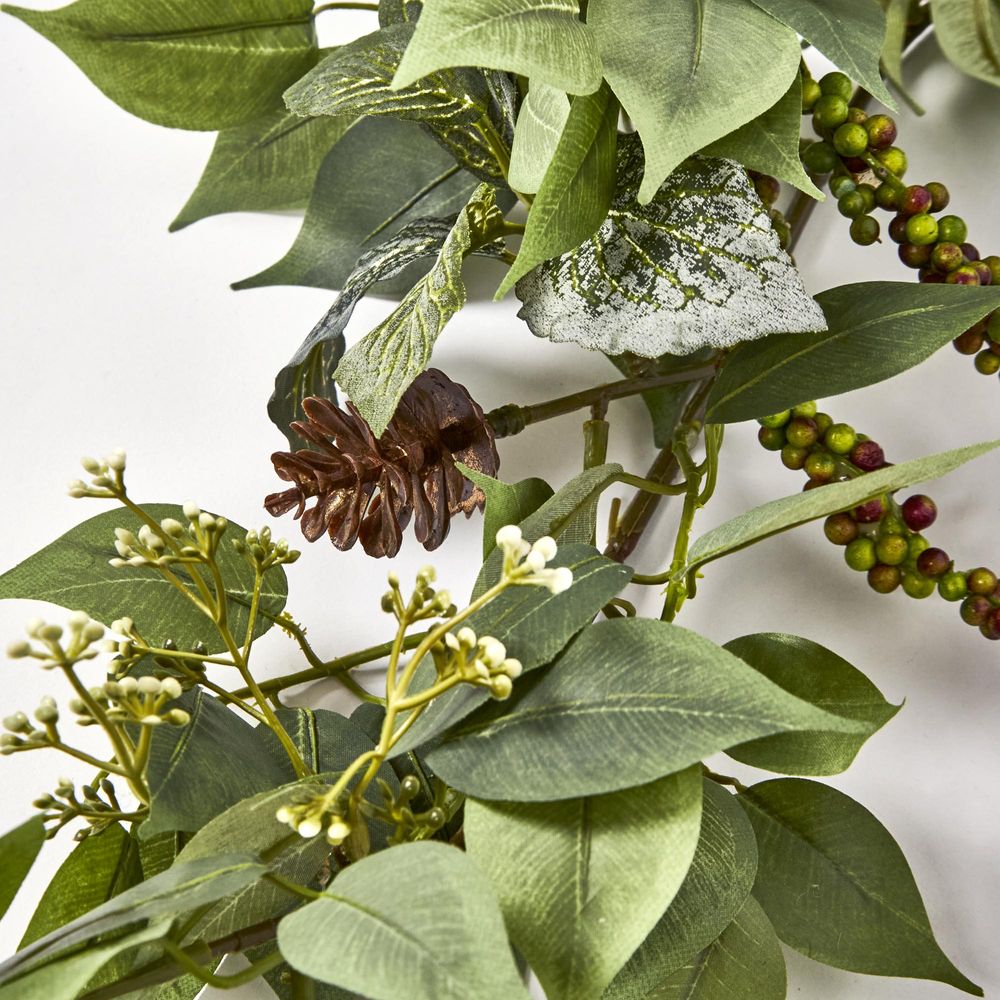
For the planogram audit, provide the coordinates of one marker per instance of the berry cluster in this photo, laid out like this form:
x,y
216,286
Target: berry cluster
x,y
881,537
856,149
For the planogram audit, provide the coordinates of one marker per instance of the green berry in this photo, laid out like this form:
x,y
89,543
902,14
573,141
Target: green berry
x,y
922,229
801,432
807,409
940,196
975,609
772,438
850,139
821,465
917,546
868,193
945,257
793,458
887,197
860,554
851,205
775,419
842,184
830,111
963,275
838,84
810,94
917,586
993,326
842,529
881,131
987,363
884,579
952,586
993,263
952,229
820,158
823,422
891,549
893,159
981,581
865,230
840,439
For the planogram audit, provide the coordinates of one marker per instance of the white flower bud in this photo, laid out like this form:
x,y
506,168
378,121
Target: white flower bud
x,y
466,637
91,465
117,563
34,626
171,687
102,481
512,668
149,685
92,631
501,687
451,642
138,561
116,460
151,720
481,669
284,815
53,633
535,561
177,717
191,511
123,626
77,488
206,522
492,650
546,547
19,649
128,685
559,579
338,832
172,527
309,827
77,620
426,574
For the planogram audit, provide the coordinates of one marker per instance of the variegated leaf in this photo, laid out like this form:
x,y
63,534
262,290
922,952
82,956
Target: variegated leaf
x,y
698,266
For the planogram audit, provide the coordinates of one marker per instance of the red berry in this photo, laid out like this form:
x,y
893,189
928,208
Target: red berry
x,y
919,512
915,199
933,562
868,456
991,627
975,609
869,512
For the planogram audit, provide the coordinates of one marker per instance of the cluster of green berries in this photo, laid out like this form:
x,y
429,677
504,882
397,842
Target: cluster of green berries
x,y
768,189
881,537
854,145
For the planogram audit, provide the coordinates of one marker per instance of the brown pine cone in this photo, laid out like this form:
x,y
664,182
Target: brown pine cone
x,y
369,489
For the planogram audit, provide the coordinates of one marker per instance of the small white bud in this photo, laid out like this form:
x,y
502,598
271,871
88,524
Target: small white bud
x,y
206,522
77,620
509,537
560,579
149,685
128,685
53,633
283,815
177,717
117,563
451,642
481,669
171,687
102,481
151,720
138,561
501,687
309,827
123,626
77,488
546,547
191,511
116,460
466,637
92,631
492,652
512,668
535,561
34,626
338,832
19,649
426,574
172,527
91,465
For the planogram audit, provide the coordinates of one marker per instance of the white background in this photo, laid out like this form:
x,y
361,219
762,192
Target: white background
x,y
116,333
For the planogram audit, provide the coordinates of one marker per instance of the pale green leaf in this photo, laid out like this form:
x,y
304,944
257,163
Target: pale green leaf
x,y
540,123
576,191
18,850
836,886
848,32
789,512
185,65
424,904
815,674
713,892
690,71
769,143
876,329
541,39
601,869
506,503
969,34
73,572
699,265
654,697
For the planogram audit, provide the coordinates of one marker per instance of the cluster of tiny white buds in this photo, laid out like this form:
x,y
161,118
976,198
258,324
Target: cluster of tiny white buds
x,y
172,542
107,477
309,819
144,700
80,635
526,564
425,602
261,552
481,661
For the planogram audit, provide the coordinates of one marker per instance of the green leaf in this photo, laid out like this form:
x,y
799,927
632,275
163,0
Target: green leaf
x,y
540,123
815,674
896,15
398,11
460,108
377,370
849,33
576,191
601,870
199,770
877,329
789,512
424,904
185,65
267,164
720,276
711,896
744,963
715,65
837,887
541,39
380,176
534,624
18,850
99,868
654,697
769,143
73,572
506,503
969,34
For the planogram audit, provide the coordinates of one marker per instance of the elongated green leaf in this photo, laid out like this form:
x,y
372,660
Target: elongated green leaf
x,y
969,34
743,963
576,191
158,853
601,869
896,15
711,896
506,503
715,65
837,887
789,512
99,868
18,850
73,572
654,697
848,32
540,123
426,905
268,164
541,39
876,329
815,674
186,65
770,142
720,276
377,370
199,770
534,625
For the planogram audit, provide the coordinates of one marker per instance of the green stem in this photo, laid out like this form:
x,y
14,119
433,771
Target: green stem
x,y
346,5
303,988
302,891
248,975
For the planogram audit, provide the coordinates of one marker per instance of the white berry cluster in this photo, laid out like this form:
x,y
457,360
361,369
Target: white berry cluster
x,y
309,819
107,477
57,647
525,563
174,542
483,662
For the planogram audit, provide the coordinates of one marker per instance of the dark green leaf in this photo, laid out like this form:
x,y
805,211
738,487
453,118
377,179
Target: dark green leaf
x,y
714,891
690,71
158,853
601,870
720,276
540,123
18,850
876,329
815,674
424,904
849,33
769,143
268,164
837,887
506,503
398,11
654,697
544,40
789,512
73,572
969,34
185,65
576,191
